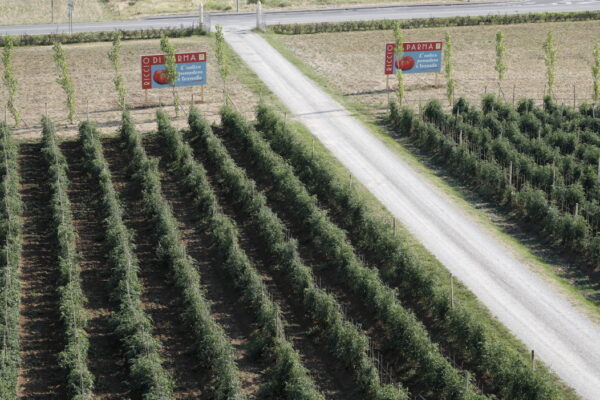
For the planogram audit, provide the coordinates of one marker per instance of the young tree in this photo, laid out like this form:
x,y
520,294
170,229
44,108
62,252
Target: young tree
x,y
115,58
448,69
64,79
169,51
550,61
500,56
596,73
399,51
10,81
222,57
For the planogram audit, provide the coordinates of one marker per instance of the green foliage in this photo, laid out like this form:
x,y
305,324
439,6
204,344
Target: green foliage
x,y
416,23
463,333
132,325
169,51
293,381
500,56
10,236
64,79
596,73
399,40
115,58
449,68
80,382
551,152
344,341
405,335
9,78
106,36
222,56
550,62
212,347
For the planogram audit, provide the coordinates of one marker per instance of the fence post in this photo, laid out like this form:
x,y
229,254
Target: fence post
x,y
451,291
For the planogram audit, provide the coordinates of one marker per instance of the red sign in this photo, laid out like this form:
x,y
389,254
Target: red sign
x,y
409,47
159,59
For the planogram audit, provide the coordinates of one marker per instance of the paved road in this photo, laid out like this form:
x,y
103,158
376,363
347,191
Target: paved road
x,y
248,20
561,336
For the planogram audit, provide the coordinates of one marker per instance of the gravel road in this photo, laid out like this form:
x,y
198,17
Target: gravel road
x,y
561,335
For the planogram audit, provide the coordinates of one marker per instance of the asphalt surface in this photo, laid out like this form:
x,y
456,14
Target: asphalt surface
x,y
561,335
564,338
248,20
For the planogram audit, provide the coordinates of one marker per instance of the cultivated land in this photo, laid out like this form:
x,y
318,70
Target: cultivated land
x,y
352,63
93,76
355,73
309,324
309,332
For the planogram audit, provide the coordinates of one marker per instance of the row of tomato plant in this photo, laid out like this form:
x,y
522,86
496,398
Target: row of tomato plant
x,y
211,345
132,325
584,120
488,168
10,287
344,341
500,134
569,130
468,339
555,160
406,336
80,382
288,377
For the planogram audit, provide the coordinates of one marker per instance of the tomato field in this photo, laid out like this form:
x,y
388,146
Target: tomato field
x,y
225,262
544,162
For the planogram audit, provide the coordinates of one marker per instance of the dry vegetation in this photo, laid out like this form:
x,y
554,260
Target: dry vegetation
x,y
353,62
92,75
14,12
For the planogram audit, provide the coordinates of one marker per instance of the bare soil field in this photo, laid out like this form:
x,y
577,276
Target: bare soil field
x,y
95,93
352,63
14,12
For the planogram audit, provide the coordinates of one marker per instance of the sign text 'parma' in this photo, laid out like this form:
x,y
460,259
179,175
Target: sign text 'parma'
x,y
191,70
417,58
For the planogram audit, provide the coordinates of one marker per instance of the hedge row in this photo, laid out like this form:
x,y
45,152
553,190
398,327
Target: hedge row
x,y
319,27
132,324
288,378
11,211
487,167
80,382
105,36
344,341
468,339
405,334
211,345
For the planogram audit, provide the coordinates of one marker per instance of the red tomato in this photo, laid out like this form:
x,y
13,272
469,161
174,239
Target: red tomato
x,y
160,77
405,63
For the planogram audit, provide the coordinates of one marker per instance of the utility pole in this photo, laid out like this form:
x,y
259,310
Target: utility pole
x,y
237,4
70,6
52,9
